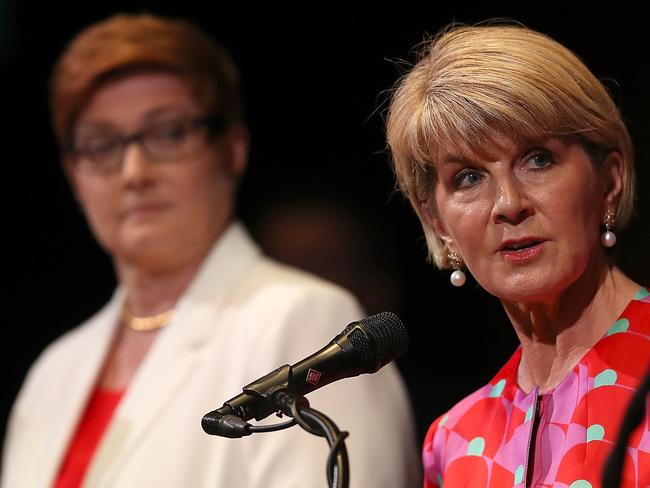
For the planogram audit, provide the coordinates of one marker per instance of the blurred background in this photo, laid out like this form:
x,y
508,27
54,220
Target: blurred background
x,y
319,190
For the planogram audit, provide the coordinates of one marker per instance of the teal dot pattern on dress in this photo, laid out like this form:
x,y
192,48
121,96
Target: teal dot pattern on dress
x,y
621,325
605,378
519,474
497,389
595,432
529,414
580,484
641,294
476,447
485,438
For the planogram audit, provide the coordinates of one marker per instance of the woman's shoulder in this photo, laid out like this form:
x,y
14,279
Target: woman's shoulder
x,y
473,405
631,327
475,422
64,351
637,313
287,285
447,437
622,354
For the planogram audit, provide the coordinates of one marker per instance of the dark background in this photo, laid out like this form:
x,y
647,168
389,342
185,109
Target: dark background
x,y
315,84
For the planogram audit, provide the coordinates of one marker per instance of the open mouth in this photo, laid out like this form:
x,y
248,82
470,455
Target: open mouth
x,y
518,246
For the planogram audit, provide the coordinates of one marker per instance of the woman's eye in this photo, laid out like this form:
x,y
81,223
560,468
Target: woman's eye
x,y
467,178
539,160
98,144
170,132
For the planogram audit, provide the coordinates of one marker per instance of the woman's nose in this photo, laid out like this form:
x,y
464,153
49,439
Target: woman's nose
x,y
511,203
137,166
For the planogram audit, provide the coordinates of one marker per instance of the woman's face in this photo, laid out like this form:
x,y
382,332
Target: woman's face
x,y
526,220
154,211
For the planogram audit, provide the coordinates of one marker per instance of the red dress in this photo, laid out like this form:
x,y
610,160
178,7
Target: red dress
x,y
486,439
89,432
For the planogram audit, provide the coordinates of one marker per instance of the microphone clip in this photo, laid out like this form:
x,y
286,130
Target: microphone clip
x,y
265,389
261,398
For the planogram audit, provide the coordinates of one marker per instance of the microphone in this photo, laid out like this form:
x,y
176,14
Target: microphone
x,y
362,347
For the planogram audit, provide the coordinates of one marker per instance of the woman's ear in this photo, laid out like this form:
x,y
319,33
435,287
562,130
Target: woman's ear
x,y
612,174
430,214
236,139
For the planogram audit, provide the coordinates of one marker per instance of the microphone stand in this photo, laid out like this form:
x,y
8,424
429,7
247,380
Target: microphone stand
x,y
317,423
274,394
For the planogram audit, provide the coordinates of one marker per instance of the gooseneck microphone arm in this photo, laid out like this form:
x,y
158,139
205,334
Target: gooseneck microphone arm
x,y
362,347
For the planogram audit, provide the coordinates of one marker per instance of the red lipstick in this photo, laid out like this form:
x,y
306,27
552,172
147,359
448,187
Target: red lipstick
x,y
521,250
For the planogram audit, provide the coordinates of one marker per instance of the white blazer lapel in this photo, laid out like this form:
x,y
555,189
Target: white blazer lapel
x,y
173,356
64,409
160,376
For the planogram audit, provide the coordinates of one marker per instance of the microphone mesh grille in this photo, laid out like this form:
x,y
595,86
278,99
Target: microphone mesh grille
x,y
389,336
361,345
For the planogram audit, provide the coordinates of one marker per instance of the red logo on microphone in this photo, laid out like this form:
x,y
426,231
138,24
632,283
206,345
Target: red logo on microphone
x,y
313,377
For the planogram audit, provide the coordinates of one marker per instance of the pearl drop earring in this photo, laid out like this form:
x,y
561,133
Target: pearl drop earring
x,y
608,238
458,277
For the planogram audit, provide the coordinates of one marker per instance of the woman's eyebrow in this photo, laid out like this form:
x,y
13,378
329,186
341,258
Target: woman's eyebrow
x,y
456,159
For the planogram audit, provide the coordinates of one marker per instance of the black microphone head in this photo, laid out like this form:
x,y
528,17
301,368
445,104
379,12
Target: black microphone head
x,y
378,339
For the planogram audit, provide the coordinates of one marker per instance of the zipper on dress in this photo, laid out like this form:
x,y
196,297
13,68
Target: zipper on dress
x,y
532,437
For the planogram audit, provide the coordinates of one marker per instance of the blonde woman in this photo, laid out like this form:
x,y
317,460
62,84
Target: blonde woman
x,y
520,169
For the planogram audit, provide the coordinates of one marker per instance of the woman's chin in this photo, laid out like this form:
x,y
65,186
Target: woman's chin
x,y
147,249
532,289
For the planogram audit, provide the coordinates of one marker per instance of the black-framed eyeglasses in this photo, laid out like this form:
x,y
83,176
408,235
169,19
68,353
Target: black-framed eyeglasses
x,y
102,151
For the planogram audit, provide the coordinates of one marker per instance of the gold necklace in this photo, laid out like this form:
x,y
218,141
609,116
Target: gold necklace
x,y
143,324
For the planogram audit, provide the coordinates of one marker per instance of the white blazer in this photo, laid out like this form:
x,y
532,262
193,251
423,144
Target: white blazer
x,y
242,317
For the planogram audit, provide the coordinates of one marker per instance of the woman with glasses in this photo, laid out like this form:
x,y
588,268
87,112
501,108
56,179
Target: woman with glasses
x,y
147,113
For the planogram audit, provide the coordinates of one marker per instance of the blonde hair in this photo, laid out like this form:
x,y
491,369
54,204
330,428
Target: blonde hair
x,y
130,42
472,86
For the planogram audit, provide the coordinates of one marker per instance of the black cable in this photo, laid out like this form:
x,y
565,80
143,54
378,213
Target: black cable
x,y
273,427
334,449
330,471
338,475
632,418
296,414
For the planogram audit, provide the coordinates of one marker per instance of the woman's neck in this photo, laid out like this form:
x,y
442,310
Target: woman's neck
x,y
151,290
556,334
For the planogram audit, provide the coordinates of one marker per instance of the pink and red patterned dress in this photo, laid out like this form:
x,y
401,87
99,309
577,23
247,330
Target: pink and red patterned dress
x,y
487,439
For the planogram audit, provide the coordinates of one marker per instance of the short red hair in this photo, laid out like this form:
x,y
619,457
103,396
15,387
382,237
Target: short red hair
x,y
137,42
